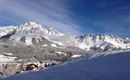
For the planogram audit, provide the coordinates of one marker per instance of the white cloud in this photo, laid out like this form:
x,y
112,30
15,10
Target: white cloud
x,y
46,12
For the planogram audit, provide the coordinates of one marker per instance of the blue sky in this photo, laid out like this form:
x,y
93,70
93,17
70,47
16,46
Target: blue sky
x,y
76,16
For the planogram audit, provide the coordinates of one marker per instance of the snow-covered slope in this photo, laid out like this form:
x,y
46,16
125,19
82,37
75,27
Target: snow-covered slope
x,y
102,42
110,67
8,30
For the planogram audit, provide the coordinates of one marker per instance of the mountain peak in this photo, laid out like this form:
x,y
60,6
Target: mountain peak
x,y
32,23
29,26
33,27
29,32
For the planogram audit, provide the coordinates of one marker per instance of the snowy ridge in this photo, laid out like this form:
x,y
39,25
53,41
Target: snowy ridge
x,y
6,30
102,42
32,27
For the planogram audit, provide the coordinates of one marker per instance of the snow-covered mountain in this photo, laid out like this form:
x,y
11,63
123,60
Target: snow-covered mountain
x,y
29,33
34,28
110,67
33,33
102,42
